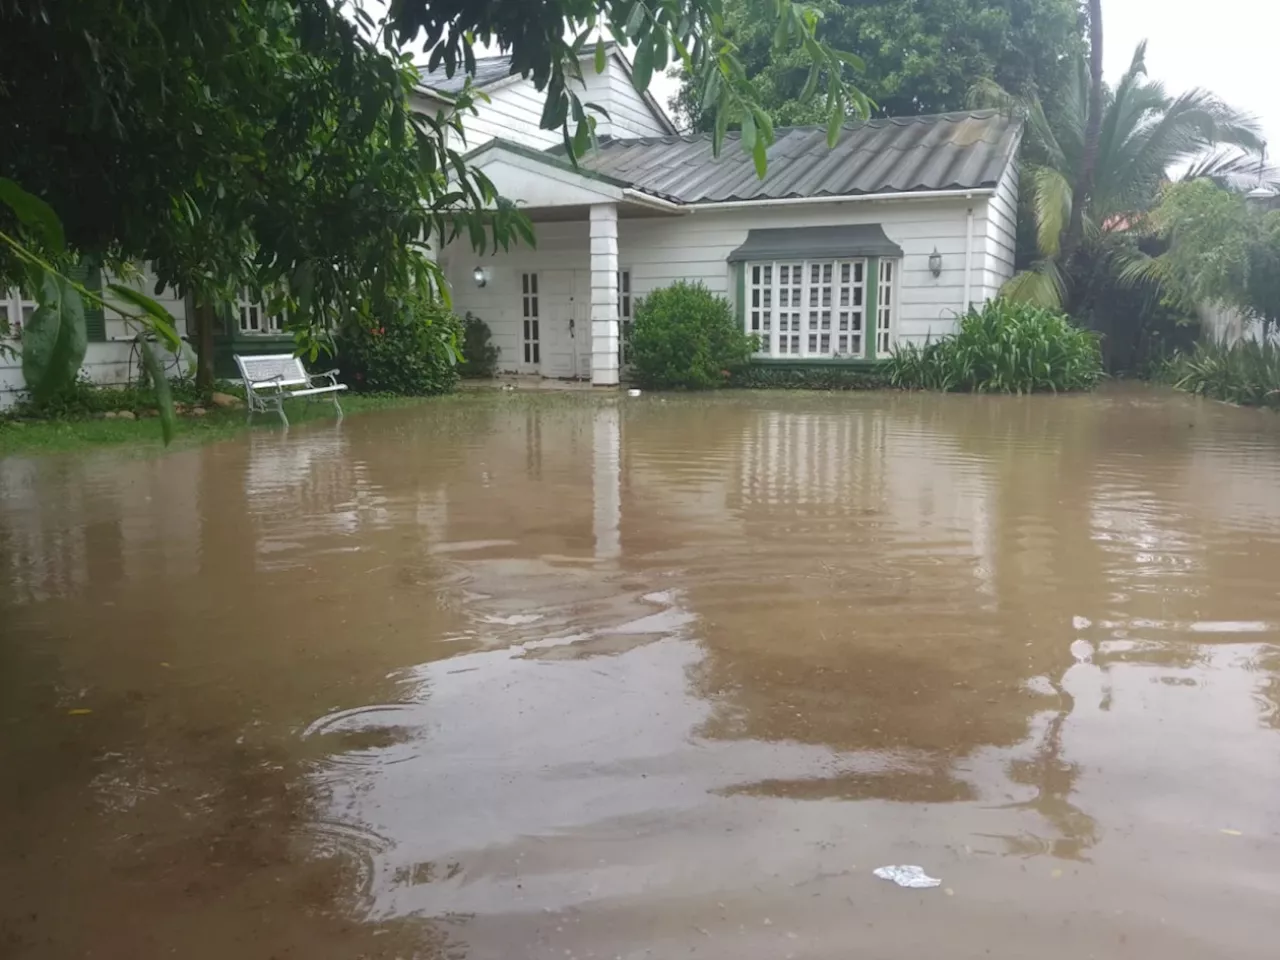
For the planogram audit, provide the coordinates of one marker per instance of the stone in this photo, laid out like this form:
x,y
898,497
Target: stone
x,y
198,411
126,415
110,415
225,400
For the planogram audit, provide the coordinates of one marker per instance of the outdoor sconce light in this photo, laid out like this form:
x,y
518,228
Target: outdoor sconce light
x,y
481,276
935,263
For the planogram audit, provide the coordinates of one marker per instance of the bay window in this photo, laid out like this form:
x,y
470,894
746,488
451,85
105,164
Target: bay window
x,y
819,292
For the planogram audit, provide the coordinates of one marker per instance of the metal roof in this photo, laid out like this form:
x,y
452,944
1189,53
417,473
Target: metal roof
x,y
488,70
946,151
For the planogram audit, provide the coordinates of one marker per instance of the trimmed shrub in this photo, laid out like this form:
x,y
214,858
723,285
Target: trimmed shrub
x,y
1005,347
686,337
411,352
479,356
761,377
1247,372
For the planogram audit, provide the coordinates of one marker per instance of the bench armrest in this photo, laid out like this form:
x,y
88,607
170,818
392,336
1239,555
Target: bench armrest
x,y
330,375
269,382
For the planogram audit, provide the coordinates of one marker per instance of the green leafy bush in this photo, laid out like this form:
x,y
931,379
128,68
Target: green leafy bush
x,y
686,337
761,377
1247,372
1005,347
479,356
413,352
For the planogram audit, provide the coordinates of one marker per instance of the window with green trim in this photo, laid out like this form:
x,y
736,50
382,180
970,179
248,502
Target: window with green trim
x,y
15,310
255,321
815,308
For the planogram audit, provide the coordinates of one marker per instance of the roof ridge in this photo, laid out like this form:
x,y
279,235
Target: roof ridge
x,y
951,116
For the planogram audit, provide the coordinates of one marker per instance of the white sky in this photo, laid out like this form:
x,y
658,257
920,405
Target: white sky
x,y
1231,47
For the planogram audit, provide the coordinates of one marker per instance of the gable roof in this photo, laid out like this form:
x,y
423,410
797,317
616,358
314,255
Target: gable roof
x,y
489,70
948,151
494,70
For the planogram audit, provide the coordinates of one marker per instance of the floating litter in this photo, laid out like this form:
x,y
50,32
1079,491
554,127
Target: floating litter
x,y
633,392
907,876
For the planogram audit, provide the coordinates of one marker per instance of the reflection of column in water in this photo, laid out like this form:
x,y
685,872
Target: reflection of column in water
x,y
606,482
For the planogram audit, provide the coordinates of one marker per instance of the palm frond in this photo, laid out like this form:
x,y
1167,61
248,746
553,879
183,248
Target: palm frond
x,y
1234,170
1052,196
1042,285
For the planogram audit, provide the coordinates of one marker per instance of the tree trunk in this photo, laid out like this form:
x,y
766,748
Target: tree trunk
x,y
205,319
1092,135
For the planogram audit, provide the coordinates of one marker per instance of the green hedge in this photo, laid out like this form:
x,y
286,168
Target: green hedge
x,y
762,377
412,352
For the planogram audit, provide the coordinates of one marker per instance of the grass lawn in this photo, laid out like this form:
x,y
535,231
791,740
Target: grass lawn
x,y
57,436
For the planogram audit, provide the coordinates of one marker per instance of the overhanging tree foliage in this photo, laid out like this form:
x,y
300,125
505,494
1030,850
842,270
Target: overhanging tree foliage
x,y
1222,248
270,144
920,56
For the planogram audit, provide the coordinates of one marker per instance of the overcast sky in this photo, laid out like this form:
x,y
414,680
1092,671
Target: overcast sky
x,y
1231,47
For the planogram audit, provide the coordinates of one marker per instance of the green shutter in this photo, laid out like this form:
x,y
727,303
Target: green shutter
x,y
741,269
95,321
870,318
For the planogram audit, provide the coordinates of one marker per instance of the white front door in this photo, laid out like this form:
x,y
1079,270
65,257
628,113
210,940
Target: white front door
x,y
566,299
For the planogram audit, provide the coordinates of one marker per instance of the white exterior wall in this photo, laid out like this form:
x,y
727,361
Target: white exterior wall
x,y
629,113
999,232
106,362
695,246
515,107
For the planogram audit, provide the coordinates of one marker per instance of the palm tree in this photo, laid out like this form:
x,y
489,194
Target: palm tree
x,y
1142,131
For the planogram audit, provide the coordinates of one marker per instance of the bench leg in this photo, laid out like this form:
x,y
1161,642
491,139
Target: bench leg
x,y
280,410
337,406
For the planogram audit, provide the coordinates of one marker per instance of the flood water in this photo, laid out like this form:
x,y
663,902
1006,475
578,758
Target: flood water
x,y
573,677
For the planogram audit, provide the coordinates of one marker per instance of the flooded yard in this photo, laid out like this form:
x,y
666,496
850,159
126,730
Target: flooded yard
x,y
580,677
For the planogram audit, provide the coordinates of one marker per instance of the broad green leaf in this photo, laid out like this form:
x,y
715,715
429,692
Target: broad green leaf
x,y
748,132
54,340
635,20
158,318
761,156
835,123
600,55
33,213
642,69
810,84
164,396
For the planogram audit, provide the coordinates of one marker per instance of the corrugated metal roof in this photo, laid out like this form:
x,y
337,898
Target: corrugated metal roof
x,y
488,70
946,151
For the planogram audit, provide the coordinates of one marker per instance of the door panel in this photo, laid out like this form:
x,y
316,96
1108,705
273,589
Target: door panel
x,y
566,350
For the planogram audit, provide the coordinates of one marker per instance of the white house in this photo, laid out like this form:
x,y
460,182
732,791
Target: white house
x,y
834,257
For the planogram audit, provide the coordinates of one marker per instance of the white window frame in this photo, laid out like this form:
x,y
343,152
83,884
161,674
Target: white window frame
x,y
14,310
531,321
253,319
822,316
626,308
886,304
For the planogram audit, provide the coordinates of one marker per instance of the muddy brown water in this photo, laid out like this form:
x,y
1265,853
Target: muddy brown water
x,y
551,677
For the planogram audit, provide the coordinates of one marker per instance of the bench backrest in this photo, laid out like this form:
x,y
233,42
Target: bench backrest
x,y
263,367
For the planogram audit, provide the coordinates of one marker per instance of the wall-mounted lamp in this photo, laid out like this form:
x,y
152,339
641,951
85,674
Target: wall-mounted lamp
x,y
481,276
935,263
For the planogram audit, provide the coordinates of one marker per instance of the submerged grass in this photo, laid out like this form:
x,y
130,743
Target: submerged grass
x,y
56,436
1247,372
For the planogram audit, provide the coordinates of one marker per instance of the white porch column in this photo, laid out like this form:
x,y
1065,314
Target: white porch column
x,y
604,294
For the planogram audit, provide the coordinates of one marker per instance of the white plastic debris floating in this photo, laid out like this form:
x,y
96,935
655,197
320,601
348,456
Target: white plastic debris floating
x,y
907,876
633,392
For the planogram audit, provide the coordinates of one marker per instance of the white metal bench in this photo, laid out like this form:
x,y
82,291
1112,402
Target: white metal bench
x,y
270,379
